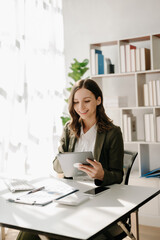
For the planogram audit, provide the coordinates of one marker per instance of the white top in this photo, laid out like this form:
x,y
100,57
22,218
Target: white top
x,y
86,142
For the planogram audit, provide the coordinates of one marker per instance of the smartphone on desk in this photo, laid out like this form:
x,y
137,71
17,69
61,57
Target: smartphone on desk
x,y
96,191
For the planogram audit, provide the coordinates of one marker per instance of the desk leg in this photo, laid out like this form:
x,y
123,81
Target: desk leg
x,y
2,233
134,233
129,233
134,224
42,237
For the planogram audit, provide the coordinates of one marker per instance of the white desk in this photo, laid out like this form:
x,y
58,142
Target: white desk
x,y
79,222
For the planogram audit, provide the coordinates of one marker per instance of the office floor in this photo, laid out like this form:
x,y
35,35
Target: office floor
x,y
146,233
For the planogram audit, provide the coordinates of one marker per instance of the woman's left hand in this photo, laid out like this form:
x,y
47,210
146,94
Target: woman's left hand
x,y
94,171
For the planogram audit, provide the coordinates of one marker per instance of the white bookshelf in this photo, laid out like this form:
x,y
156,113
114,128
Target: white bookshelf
x,y
130,85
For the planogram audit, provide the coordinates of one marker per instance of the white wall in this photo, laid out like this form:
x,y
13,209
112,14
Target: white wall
x,y
90,21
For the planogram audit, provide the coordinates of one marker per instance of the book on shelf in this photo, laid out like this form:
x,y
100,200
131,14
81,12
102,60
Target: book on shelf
x,y
100,63
149,127
125,127
93,60
138,59
123,58
150,87
146,95
145,59
132,134
133,60
151,93
158,91
129,128
156,51
98,51
158,128
96,63
153,173
151,120
128,48
154,93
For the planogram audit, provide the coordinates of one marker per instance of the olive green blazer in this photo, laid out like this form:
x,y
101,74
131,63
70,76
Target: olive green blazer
x,y
108,151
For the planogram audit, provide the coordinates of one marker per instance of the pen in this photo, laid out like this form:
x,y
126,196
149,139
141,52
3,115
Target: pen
x,y
65,195
36,190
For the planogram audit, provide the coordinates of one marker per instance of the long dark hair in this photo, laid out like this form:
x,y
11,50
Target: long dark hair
x,y
103,121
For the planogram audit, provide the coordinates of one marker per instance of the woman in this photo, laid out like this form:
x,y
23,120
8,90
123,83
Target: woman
x,y
90,129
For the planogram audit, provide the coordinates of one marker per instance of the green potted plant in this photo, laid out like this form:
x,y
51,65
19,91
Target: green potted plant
x,y
78,70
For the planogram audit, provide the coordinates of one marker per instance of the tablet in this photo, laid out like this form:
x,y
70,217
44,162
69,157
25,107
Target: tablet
x,y
69,161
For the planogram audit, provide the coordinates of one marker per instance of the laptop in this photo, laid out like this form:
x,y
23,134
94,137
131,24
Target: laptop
x,y
69,161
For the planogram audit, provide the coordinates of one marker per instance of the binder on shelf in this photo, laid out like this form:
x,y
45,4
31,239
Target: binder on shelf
x,y
96,63
129,128
128,56
138,59
150,87
146,94
154,93
123,58
145,59
93,60
154,173
151,121
147,127
158,128
132,133
158,91
98,51
125,127
133,60
100,63
151,92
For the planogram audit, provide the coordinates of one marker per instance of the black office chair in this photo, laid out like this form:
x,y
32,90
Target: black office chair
x,y
129,158
123,228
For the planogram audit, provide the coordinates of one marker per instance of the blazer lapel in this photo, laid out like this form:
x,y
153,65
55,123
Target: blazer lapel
x,y
98,145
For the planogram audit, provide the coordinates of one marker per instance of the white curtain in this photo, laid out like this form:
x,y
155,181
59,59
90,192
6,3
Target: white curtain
x,y
32,80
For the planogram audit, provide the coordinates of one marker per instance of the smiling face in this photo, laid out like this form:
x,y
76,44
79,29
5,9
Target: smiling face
x,y
85,104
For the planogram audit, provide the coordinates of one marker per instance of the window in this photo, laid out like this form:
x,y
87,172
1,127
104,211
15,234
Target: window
x,y
32,79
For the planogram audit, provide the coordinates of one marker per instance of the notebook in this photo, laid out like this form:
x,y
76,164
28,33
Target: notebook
x,y
45,194
69,159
